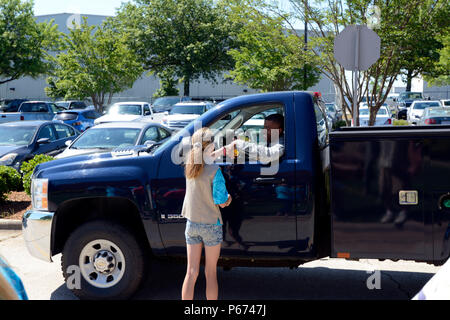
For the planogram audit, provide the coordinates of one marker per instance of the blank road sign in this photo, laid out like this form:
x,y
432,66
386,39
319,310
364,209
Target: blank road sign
x,y
357,47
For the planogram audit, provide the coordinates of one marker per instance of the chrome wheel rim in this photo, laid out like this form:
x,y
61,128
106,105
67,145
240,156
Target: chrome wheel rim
x,y
102,263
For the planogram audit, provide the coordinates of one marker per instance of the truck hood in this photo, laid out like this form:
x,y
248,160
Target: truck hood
x,y
98,167
116,118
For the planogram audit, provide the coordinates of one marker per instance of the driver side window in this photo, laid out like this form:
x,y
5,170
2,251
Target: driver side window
x,y
247,124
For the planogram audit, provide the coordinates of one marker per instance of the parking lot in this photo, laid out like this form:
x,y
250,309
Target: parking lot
x,y
317,280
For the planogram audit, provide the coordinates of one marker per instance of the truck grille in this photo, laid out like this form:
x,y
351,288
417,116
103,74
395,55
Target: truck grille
x,y
178,124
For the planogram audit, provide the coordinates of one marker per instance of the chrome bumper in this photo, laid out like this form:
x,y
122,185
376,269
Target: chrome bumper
x,y
37,229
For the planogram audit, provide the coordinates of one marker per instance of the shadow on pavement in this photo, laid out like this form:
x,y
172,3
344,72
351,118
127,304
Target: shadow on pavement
x,y
166,278
285,284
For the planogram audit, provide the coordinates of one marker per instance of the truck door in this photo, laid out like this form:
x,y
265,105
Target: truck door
x,y
261,222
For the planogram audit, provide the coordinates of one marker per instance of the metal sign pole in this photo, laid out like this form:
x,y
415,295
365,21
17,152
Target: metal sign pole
x,y
355,77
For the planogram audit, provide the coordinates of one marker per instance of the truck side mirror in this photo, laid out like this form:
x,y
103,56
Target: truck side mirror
x,y
68,143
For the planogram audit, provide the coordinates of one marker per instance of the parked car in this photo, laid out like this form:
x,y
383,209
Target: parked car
x,y
405,99
183,113
126,111
69,105
79,119
106,137
434,115
21,141
384,116
11,287
415,112
32,110
164,104
445,102
334,112
11,105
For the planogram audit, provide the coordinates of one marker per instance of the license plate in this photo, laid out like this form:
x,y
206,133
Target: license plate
x,y
445,122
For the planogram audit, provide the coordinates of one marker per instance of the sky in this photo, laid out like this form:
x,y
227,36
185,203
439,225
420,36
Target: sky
x,y
99,7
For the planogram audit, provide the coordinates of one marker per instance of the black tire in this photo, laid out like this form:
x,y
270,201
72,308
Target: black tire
x,y
134,260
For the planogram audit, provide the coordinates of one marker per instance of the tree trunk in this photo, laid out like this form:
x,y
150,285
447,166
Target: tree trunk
x,y
408,80
187,85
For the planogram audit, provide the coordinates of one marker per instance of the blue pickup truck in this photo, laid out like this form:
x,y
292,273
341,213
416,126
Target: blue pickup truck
x,y
356,193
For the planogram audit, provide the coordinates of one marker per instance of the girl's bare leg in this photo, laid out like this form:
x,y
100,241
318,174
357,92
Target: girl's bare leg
x,y
194,254
211,257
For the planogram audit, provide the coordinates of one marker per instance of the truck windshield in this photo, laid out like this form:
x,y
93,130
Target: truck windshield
x,y
107,138
16,136
410,95
131,109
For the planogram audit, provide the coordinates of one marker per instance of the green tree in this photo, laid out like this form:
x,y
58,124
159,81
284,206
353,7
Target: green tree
x,y
96,63
24,43
189,37
269,57
397,23
440,75
423,41
168,84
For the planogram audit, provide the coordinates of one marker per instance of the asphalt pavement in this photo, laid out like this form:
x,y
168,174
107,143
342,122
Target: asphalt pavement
x,y
335,279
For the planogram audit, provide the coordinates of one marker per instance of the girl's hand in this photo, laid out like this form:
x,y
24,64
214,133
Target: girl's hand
x,y
226,204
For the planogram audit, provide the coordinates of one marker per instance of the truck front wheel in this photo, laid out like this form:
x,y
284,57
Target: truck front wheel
x,y
108,260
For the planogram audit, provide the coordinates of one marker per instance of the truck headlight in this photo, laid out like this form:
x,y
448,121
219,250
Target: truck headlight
x,y
8,159
39,194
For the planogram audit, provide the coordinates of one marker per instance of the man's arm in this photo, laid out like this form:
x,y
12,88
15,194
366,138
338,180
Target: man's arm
x,y
263,154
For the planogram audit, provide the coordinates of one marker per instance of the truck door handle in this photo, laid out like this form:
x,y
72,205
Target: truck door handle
x,y
269,180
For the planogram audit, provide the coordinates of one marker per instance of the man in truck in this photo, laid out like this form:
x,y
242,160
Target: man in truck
x,y
274,135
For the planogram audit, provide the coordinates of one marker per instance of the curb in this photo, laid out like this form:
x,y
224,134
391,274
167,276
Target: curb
x,y
6,224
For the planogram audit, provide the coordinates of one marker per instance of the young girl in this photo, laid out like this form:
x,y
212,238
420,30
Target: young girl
x,y
205,192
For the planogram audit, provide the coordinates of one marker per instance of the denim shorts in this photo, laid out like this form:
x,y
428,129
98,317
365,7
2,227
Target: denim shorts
x,y
210,234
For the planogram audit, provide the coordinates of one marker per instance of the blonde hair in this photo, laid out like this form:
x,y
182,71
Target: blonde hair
x,y
201,139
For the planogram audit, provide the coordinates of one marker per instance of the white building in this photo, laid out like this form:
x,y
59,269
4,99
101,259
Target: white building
x,y
143,89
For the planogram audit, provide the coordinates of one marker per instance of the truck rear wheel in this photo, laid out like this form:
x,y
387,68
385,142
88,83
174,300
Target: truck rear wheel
x,y
109,261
